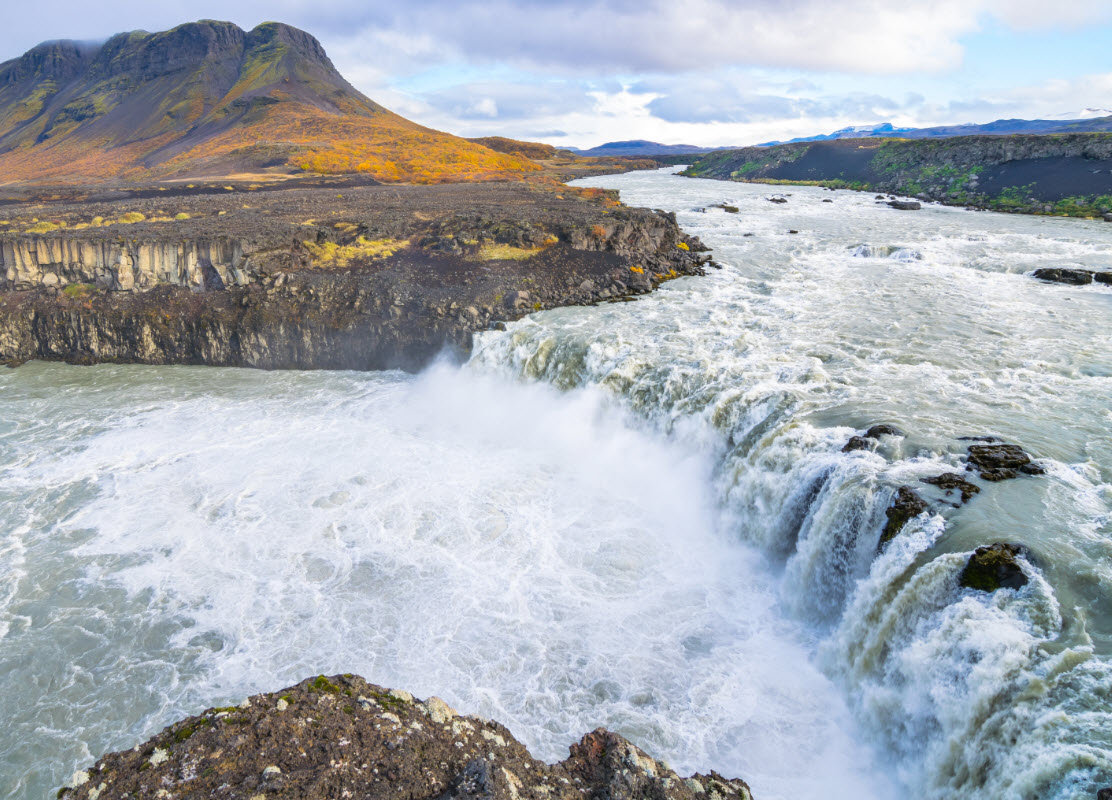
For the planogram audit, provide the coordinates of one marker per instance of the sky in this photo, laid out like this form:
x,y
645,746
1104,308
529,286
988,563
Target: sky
x,y
702,72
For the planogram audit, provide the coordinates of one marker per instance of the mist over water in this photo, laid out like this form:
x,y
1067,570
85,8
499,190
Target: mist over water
x,y
635,515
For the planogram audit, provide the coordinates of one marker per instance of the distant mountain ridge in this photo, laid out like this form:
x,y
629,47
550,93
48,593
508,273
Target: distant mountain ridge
x,y
1001,127
641,147
210,97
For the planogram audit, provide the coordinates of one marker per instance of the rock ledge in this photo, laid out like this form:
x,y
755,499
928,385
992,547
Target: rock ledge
x,y
341,737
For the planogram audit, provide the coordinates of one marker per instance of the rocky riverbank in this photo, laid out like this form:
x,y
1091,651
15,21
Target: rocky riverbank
x,y
364,277
1068,175
342,737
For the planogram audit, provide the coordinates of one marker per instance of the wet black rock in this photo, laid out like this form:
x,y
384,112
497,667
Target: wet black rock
x,y
905,507
1105,278
995,567
877,431
856,443
1073,277
1000,462
979,439
777,199
828,200
1105,794
905,205
951,481
335,737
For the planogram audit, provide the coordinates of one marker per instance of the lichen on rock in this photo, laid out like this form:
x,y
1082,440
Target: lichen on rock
x,y
345,744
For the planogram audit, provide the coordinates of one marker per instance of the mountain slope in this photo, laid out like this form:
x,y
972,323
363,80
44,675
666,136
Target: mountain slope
x,y
208,98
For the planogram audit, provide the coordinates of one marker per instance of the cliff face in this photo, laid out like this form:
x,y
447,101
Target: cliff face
x,y
122,265
398,277
343,737
1061,174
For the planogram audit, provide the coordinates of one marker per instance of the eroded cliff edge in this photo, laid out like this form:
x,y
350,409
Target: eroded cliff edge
x,y
343,737
368,278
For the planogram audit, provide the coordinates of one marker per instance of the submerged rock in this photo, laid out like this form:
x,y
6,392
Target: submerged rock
x,y
1000,462
951,481
905,205
877,431
856,443
1073,277
907,505
874,433
995,567
343,737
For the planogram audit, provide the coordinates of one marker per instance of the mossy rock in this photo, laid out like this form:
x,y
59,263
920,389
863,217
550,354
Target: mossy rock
x,y
995,566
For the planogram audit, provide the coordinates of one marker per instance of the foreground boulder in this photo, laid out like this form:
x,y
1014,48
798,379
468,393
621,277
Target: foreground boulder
x,y
995,567
342,737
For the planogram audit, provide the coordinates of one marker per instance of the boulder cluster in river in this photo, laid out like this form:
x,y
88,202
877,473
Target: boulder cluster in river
x,y
342,737
988,568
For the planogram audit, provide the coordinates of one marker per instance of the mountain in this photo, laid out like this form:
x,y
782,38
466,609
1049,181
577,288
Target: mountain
x,y
640,147
853,132
208,98
1085,113
1065,123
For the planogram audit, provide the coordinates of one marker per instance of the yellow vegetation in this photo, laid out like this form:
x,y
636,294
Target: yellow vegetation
x,y
78,290
330,254
683,246
504,252
45,226
638,270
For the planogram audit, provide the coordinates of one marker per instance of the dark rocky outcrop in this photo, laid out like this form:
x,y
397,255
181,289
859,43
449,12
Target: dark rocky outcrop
x,y
1105,794
905,205
388,278
1074,277
906,506
1103,277
952,481
877,431
1067,174
856,443
873,433
342,737
995,567
999,462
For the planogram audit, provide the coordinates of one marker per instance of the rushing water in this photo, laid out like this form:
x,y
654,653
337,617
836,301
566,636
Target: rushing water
x,y
636,515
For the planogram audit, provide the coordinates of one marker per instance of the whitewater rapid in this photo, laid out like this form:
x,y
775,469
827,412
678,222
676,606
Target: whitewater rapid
x,y
636,515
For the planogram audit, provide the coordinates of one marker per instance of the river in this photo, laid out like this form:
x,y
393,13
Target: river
x,y
637,515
